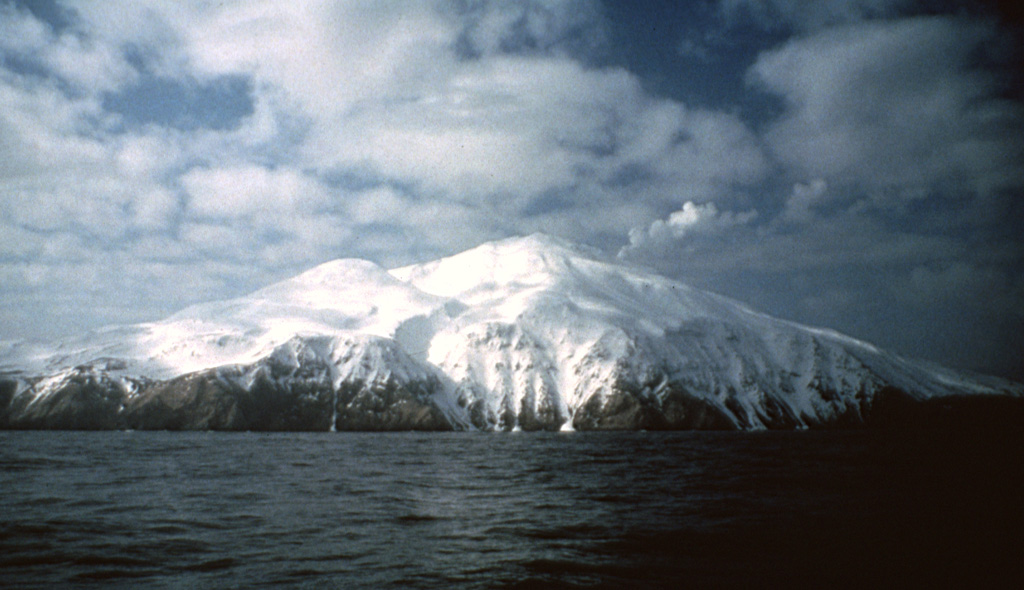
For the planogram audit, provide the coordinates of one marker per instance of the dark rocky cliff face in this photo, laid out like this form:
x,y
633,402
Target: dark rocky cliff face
x,y
213,400
389,405
631,408
8,387
82,400
273,397
257,398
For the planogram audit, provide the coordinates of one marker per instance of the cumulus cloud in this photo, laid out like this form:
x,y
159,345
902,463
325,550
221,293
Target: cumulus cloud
x,y
687,230
693,219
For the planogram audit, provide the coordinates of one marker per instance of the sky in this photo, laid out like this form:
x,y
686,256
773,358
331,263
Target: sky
x,y
857,165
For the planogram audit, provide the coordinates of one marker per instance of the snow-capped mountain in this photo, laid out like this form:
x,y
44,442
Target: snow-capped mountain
x,y
528,333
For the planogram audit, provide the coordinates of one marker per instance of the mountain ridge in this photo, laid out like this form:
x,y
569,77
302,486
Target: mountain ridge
x,y
524,333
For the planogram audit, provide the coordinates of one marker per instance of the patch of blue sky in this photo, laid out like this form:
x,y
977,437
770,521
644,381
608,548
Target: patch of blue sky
x,y
683,51
219,104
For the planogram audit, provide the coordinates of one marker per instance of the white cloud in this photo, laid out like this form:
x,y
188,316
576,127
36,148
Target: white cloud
x,y
677,231
508,129
694,218
692,146
378,205
327,56
391,224
534,26
271,218
18,243
892,104
40,128
154,209
64,169
251,191
383,88
141,156
87,64
513,125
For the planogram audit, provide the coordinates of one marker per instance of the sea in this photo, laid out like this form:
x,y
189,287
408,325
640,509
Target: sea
x,y
511,510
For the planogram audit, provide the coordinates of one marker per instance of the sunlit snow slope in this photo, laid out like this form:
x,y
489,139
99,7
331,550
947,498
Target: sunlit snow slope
x,y
529,333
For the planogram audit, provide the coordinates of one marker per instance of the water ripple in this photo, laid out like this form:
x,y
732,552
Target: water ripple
x,y
553,510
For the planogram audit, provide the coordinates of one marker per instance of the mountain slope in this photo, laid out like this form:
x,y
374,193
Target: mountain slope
x,y
530,333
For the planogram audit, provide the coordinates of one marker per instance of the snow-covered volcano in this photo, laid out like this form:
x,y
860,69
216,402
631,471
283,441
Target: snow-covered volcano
x,y
530,333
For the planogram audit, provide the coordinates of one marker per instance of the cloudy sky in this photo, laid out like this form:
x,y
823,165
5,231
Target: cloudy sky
x,y
852,164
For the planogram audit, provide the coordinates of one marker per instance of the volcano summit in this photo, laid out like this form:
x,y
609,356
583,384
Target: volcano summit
x,y
528,333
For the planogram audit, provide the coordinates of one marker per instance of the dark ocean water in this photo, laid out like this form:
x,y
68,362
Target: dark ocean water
x,y
515,510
